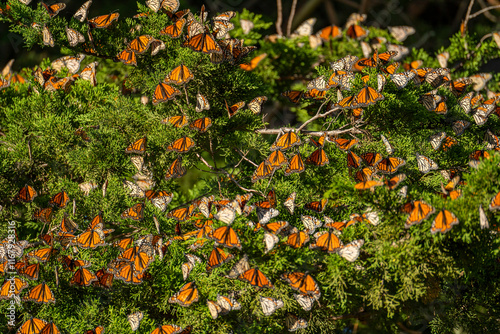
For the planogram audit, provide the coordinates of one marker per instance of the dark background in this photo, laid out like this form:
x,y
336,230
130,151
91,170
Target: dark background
x,y
435,21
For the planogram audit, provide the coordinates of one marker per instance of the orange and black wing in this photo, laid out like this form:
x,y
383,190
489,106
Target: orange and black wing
x,y
164,92
174,30
139,146
26,194
103,21
136,212
59,200
256,278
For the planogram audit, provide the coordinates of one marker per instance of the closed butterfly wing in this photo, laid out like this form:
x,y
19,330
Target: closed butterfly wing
x,y
81,13
239,268
175,170
256,104
305,301
425,164
270,305
201,103
134,320
215,309
289,203
74,37
351,251
47,37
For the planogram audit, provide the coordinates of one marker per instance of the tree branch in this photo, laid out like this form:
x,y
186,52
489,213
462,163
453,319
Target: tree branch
x,y
290,18
310,133
279,19
479,12
244,157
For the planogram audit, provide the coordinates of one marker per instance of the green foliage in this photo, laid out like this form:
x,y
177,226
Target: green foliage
x,y
402,274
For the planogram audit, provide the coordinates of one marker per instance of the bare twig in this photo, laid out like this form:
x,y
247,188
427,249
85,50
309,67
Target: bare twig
x,y
309,133
29,149
479,12
483,39
290,18
467,16
244,156
185,92
279,19
318,115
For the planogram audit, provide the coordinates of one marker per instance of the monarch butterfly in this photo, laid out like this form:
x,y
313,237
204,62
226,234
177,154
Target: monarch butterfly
x,y
317,206
466,102
88,73
460,126
364,174
176,121
83,277
388,147
32,326
160,199
134,320
54,9
437,77
140,256
59,200
395,181
50,328
226,236
44,215
276,159
326,241
156,46
289,203
123,243
350,252
402,51
425,164
136,212
188,266
167,329
179,75
368,96
353,160
215,309
228,303
181,145
47,37
458,86
379,59
135,190
187,295
344,144
203,42
371,158
174,30
246,26
355,31
256,104
303,283
127,57
139,146
74,37
305,28
221,28
164,92
444,221
482,113
418,211
201,103
448,142
53,84
263,170
495,202
175,170
492,140
11,288
286,141
479,80
390,165
140,44
318,158
402,79
72,264
329,32
297,239
270,240
256,278
26,194
234,108
293,96
40,294
391,69
81,13
226,215
27,270
180,214
369,184
400,33
437,139
412,65
103,21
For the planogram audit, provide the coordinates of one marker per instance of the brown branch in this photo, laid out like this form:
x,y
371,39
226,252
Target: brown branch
x,y
467,16
479,12
279,19
309,133
185,92
318,115
290,18
244,156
